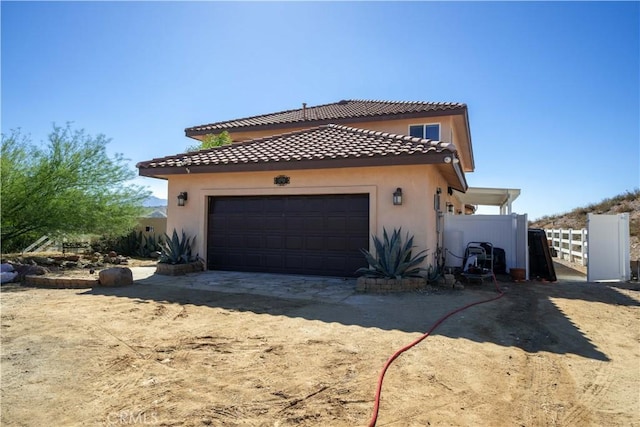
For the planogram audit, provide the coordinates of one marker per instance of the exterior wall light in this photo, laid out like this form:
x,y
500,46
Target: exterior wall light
x,y
182,197
397,196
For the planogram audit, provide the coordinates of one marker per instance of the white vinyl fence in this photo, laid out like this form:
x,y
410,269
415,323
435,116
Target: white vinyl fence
x,y
508,232
570,244
608,248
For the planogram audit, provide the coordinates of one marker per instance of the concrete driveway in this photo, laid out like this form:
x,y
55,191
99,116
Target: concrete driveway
x,y
313,288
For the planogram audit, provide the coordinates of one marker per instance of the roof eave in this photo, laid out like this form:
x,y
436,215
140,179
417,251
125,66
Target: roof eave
x,y
472,163
400,160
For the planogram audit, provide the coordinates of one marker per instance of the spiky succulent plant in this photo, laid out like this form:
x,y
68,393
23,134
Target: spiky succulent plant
x,y
393,258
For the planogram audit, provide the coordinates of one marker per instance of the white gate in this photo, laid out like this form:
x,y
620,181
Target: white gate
x,y
508,232
608,248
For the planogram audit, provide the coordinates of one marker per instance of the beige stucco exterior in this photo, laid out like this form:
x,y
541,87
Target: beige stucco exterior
x,y
159,226
452,129
416,215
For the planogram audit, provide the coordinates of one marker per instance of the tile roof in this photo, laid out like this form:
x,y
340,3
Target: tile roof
x,y
323,143
341,111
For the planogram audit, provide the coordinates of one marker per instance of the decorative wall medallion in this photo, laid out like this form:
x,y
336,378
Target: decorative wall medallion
x,y
281,180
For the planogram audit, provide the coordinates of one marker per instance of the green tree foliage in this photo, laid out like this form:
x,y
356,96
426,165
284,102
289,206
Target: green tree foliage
x,y
70,186
210,141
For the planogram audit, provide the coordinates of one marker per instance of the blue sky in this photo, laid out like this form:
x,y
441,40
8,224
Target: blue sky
x,y
552,88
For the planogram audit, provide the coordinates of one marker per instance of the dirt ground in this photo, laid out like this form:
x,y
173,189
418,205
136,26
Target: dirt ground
x,y
562,354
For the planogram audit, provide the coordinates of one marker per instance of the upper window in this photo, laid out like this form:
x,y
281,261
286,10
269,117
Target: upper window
x,y
425,131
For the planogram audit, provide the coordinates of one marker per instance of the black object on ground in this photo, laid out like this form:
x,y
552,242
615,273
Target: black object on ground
x,y
540,263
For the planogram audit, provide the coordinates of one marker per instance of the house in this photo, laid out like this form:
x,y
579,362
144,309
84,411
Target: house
x,y
302,191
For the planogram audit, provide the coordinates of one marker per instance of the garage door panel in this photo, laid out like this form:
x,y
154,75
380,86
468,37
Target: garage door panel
x,y
314,243
337,243
337,224
235,221
358,242
313,222
297,205
295,224
218,223
272,261
314,234
294,242
254,241
314,262
273,206
274,242
357,223
273,223
335,263
293,261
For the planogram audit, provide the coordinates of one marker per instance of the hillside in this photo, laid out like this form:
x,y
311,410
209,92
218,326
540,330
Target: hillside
x,y
577,218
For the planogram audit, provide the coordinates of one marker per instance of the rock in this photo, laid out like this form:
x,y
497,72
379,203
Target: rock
x,y
6,268
440,282
110,260
458,286
116,276
449,279
155,255
112,254
40,260
8,276
29,270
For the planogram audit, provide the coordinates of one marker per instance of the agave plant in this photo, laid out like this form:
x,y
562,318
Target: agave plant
x,y
148,244
175,250
393,258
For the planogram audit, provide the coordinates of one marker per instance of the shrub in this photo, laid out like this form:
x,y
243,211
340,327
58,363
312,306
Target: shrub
x,y
131,244
393,258
175,250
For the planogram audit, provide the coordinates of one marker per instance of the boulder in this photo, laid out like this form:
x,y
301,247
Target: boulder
x,y
29,270
116,276
7,273
6,268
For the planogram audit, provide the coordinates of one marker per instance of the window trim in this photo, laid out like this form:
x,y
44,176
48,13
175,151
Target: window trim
x,y
424,129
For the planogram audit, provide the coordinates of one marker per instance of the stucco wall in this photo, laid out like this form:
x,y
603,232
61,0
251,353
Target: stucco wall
x,y
394,126
416,215
159,226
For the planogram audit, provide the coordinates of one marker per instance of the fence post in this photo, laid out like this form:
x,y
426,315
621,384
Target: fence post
x,y
583,236
571,245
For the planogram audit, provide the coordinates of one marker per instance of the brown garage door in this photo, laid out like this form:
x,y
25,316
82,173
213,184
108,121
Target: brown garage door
x,y
318,235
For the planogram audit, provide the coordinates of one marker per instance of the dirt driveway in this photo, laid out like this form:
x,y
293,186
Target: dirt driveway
x,y
544,355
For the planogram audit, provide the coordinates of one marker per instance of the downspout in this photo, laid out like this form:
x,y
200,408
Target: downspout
x,y
437,256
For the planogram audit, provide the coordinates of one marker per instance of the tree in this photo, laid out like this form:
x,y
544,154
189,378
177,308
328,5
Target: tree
x,y
211,140
71,186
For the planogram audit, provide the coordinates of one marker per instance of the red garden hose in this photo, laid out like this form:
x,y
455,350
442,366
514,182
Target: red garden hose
x,y
376,405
